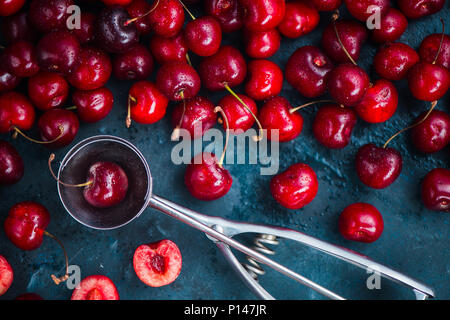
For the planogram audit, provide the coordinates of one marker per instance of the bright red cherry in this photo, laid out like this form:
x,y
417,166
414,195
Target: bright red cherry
x,y
16,27
16,111
361,9
229,13
167,19
436,190
138,9
414,9
178,81
20,59
394,60
6,275
135,64
86,33
428,81
48,90
326,5
430,46
239,118
300,18
49,15
93,105
8,81
262,15
361,222
432,134
166,50
11,164
262,44
147,104
265,80
60,126
9,7
392,25
96,287
203,36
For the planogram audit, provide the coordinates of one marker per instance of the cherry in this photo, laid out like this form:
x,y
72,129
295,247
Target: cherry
x,y
29,297
306,70
135,64
167,18
428,81
168,49
8,81
229,13
48,90
300,19
392,25
378,167
16,27
432,134
93,105
20,59
119,2
435,190
58,127
360,8
11,164
326,5
414,9
361,222
95,287
49,15
86,33
157,264
333,126
275,115
138,9
206,179
58,52
203,36
394,60
296,187
16,112
263,15
239,118
178,81
430,46
262,44
265,79
9,7
6,275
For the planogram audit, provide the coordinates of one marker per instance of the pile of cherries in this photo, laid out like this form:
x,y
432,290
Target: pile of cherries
x,y
58,60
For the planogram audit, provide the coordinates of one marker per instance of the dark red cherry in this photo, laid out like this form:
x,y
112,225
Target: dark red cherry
x,y
436,190
138,9
49,15
392,25
229,13
109,185
296,187
20,59
433,134
300,18
60,125
8,81
361,222
380,102
363,9
9,7
347,84
15,111
147,104
306,70
168,49
263,15
29,296
203,36
333,126
16,27
93,105
198,117
262,44
119,2
239,118
205,179
48,90
265,80
378,167
352,34
178,81
58,52
167,19
428,81
430,46
326,5
135,64
11,164
86,33
394,60
275,115
414,9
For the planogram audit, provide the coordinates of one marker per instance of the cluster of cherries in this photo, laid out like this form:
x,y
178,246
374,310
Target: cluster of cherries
x,y
42,47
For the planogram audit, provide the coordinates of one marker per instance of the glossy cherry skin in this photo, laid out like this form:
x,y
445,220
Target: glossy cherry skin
x,y
307,69
49,15
414,9
239,118
326,5
203,36
15,111
169,49
380,102
296,187
48,90
109,185
199,116
392,25
205,180
16,27
11,164
138,9
262,44
8,81
226,67
360,8
275,115
428,82
93,105
429,48
6,275
394,60
352,34
347,84
119,2
25,224
300,18
58,52
435,190
361,222
148,104
265,80
135,64
86,33
50,124
20,59
378,167
167,19
9,7
433,134
262,15
178,81
229,13
333,126
96,287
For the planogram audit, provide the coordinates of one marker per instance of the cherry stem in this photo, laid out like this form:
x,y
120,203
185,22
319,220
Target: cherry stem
x,y
441,43
433,105
128,118
224,116
261,131
56,280
72,108
17,131
50,160
335,17
188,59
144,15
187,10
176,132
309,104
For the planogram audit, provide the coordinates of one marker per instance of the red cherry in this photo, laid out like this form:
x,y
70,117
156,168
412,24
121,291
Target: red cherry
x,y
392,25
147,104
48,90
86,33
138,9
166,50
178,81
16,27
436,190
414,9
29,297
360,8
394,60
262,15
203,36
229,13
48,15
361,222
333,126
205,179
239,118
432,134
6,275
60,126
8,81
430,46
265,80
95,287
93,105
15,111
262,44
167,19
20,59
11,164
428,82
378,167
9,7
157,264
306,70
326,5
296,187
119,2
300,19
135,64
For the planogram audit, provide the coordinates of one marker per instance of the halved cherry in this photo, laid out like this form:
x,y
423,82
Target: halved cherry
x,y
95,287
6,275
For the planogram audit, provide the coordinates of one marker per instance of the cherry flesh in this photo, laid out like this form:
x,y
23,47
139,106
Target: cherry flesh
x,y
15,111
229,13
167,19
60,125
300,19
86,33
265,80
95,287
363,9
414,9
263,15
430,46
148,105
135,64
203,36
433,134
361,222
392,25
8,81
20,59
239,118
11,164
428,81
178,81
326,5
6,275
137,9
166,50
435,190
9,7
394,60
262,44
49,15
93,105
48,90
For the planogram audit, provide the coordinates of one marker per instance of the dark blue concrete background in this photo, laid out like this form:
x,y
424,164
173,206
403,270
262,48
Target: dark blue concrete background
x,y
415,240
